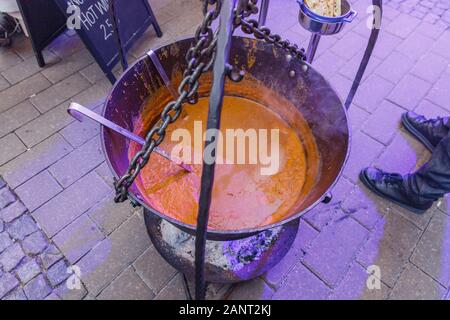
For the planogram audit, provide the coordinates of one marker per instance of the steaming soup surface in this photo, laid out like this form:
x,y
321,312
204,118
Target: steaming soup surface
x,y
243,197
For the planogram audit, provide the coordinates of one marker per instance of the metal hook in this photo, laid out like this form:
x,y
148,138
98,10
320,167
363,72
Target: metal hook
x,y
78,111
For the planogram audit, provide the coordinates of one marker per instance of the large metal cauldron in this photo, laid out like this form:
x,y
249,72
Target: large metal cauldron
x,y
293,80
250,252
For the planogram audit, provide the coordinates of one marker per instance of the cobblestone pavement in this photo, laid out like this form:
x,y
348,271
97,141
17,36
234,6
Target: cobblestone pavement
x,y
431,11
57,210
32,266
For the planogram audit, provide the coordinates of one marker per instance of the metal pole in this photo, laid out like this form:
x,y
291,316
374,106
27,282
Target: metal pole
x,y
312,47
367,55
224,40
263,14
122,55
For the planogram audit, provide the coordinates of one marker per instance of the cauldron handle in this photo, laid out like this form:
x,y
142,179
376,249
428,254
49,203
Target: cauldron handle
x,y
78,112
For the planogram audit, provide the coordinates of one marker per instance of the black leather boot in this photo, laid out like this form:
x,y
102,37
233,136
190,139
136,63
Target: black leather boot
x,y
429,132
432,180
393,188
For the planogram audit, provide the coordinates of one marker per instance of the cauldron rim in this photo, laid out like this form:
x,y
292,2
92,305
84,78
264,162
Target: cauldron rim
x,y
213,234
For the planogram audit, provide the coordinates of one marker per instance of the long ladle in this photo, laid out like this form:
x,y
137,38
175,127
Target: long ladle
x,y
78,111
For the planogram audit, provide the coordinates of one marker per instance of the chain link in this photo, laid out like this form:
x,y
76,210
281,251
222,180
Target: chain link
x,y
200,58
263,33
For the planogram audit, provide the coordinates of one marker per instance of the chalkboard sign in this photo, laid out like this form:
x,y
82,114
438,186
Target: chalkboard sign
x,y
97,32
44,22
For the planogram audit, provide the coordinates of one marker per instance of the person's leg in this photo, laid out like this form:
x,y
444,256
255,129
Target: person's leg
x,y
432,181
417,191
428,131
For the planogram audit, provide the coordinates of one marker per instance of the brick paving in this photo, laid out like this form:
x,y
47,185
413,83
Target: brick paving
x,y
31,266
56,208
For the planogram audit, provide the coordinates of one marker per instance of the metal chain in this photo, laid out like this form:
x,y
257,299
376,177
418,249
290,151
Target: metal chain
x,y
263,33
200,59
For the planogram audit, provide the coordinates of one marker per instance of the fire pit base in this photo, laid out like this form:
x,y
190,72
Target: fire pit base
x,y
226,261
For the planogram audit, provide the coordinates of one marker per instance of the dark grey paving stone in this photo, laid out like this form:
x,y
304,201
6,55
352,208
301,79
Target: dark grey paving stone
x,y
372,92
22,91
57,273
8,58
4,84
28,271
13,211
38,190
431,254
255,289
403,25
6,197
109,215
154,270
407,98
50,256
52,296
94,95
439,94
7,283
35,160
22,227
35,243
104,262
390,245
77,133
302,284
414,284
384,123
275,276
364,151
354,286
37,289
365,207
27,68
68,65
5,241
93,73
71,203
127,286
402,155
333,250
65,46
65,293
12,146
78,238
105,173
76,164
16,117
44,126
173,291
60,92
16,295
11,257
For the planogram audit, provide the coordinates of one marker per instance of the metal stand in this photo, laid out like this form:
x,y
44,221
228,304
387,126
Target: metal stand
x,y
312,47
319,25
215,109
117,38
264,10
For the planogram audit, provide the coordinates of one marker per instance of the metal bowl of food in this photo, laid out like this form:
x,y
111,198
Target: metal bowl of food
x,y
319,20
